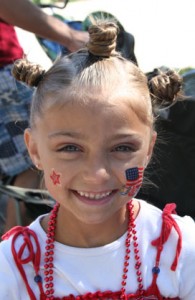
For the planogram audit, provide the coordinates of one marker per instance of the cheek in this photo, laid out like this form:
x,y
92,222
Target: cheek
x,y
55,183
55,178
119,168
124,171
134,179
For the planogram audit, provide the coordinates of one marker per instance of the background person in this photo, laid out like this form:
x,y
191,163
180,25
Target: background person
x,y
171,170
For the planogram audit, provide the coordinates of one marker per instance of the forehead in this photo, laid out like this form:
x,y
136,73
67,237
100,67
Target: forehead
x,y
111,101
99,113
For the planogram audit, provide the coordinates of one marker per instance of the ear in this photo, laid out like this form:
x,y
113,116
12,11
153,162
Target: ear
x,y
151,147
32,147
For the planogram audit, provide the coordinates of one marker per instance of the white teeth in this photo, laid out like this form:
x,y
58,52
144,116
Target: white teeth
x,y
94,196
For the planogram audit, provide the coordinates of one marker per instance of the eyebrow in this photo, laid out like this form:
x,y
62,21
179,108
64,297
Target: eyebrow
x,y
126,135
66,133
80,135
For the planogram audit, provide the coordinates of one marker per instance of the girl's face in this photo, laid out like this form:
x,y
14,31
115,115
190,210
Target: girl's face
x,y
84,150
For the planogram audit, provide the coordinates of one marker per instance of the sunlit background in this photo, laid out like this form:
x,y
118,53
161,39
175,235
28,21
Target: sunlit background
x,y
164,30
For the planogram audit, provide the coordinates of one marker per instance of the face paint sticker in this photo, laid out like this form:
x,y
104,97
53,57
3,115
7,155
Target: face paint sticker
x,y
134,177
55,177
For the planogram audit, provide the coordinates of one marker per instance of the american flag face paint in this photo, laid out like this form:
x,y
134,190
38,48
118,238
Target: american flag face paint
x,y
55,177
134,177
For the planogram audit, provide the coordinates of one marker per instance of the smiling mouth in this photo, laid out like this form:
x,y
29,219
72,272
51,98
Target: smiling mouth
x,y
95,196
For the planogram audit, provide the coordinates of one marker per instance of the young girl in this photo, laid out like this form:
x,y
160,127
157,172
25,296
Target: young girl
x,y
92,135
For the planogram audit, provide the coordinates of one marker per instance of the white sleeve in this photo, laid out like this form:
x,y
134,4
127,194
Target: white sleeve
x,y
8,284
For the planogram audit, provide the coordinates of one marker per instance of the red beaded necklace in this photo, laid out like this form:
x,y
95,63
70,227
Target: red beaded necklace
x,y
49,257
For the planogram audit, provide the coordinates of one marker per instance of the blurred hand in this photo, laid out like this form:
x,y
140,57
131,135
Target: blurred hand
x,y
78,40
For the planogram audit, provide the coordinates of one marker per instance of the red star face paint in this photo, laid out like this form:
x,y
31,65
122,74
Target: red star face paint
x,y
55,177
134,177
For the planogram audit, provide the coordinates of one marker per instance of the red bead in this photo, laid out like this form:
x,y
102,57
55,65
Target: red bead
x,y
122,296
139,279
138,273
127,244
46,259
138,264
141,292
123,283
51,228
51,234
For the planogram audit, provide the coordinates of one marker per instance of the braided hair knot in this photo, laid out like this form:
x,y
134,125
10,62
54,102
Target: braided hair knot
x,y
28,72
165,87
103,39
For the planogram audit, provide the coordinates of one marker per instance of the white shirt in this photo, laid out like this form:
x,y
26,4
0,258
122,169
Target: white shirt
x,y
82,270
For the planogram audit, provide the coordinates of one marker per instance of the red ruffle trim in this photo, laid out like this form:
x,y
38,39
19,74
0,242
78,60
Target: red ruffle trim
x,y
108,295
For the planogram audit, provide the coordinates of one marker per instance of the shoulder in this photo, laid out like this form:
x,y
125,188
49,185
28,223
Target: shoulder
x,y
20,244
150,213
156,221
17,236
7,270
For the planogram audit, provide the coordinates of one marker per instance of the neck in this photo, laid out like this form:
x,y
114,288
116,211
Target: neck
x,y
72,232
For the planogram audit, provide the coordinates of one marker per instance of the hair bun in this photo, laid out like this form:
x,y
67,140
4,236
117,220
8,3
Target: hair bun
x,y
27,72
103,38
165,87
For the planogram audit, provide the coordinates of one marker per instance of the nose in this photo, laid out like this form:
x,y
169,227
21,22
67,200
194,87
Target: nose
x,y
96,170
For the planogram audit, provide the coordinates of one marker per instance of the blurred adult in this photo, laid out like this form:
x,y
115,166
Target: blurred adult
x,y
172,169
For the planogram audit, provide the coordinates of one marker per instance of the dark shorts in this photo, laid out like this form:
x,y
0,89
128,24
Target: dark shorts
x,y
15,100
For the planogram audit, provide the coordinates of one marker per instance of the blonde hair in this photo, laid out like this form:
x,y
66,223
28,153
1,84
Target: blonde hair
x,y
97,66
